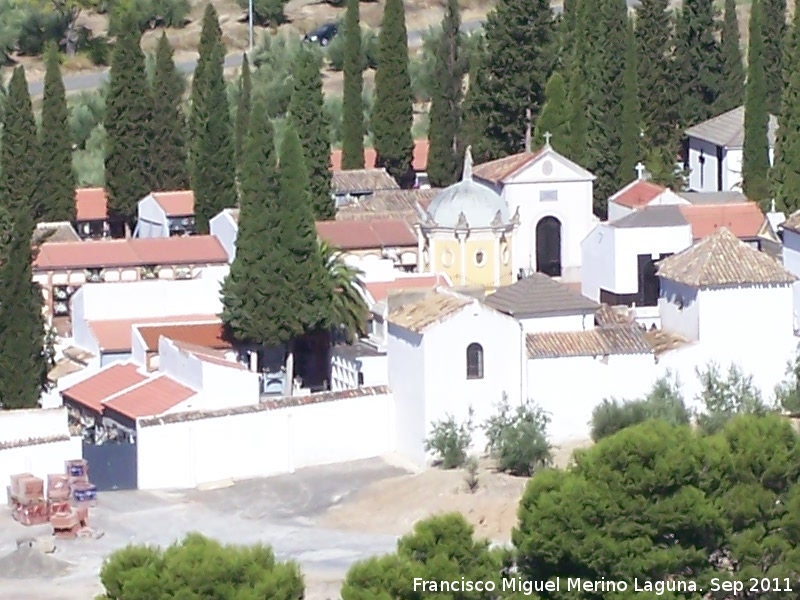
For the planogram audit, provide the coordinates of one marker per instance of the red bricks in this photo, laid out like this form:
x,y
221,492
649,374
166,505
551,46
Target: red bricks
x,y
58,487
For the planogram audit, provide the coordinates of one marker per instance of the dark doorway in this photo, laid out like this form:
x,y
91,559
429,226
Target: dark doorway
x,y
548,247
112,466
649,285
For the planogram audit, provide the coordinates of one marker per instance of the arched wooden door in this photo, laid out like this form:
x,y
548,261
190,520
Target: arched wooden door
x,y
548,246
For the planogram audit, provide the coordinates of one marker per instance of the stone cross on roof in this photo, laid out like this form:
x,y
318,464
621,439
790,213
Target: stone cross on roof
x,y
547,137
640,170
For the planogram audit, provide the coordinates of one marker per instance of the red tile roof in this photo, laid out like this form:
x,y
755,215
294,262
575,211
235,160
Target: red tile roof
x,y
419,162
107,382
114,335
365,235
150,399
637,194
91,204
380,290
744,219
207,335
497,171
209,355
176,204
189,250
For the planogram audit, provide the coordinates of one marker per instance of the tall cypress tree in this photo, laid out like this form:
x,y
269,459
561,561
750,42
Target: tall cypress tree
x,y
755,153
656,73
475,108
243,106
630,141
519,57
307,113
393,114
732,89
774,33
577,149
169,169
698,61
56,176
212,160
445,112
128,119
353,128
786,173
555,114
23,364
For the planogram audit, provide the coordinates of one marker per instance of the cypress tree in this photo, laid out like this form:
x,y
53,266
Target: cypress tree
x,y
554,118
393,114
773,26
698,61
475,108
307,114
169,167
656,73
630,142
23,364
128,118
254,295
786,173
577,149
445,112
353,128
56,177
755,153
212,160
519,57
732,90
243,103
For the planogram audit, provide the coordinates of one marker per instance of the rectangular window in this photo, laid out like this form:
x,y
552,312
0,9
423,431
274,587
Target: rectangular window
x,y
548,196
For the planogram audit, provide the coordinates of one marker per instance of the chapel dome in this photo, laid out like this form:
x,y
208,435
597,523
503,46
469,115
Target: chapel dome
x,y
479,205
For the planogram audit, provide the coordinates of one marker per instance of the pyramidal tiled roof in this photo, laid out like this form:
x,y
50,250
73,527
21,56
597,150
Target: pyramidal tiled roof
x,y
722,259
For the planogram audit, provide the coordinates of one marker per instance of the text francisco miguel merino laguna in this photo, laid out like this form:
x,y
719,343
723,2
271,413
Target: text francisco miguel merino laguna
x,y
526,587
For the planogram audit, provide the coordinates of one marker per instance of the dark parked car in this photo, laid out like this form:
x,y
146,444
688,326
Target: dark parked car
x,y
323,35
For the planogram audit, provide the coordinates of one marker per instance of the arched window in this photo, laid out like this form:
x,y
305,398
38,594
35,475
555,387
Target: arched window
x,y
474,361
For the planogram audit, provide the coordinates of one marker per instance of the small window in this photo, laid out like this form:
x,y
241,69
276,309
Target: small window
x,y
480,258
474,361
447,258
548,196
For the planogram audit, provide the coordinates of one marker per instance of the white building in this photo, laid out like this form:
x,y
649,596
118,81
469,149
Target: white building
x,y
714,151
790,232
554,198
165,214
638,194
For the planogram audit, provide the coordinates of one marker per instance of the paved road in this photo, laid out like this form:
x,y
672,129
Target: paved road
x,y
89,81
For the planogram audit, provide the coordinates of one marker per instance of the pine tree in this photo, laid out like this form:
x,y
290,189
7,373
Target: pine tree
x,y
554,118
353,128
774,32
755,153
56,177
128,119
445,112
307,114
212,150
698,61
519,57
243,105
169,159
732,90
630,142
393,114
656,71
23,364
786,173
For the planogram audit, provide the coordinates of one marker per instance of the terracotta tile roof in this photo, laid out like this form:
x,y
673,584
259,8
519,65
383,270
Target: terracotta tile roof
x,y
107,382
609,316
362,180
63,368
601,341
208,355
176,204
364,235
497,171
727,129
234,214
743,219
380,290
637,194
419,161
61,231
663,341
539,295
793,222
189,250
114,335
91,204
206,335
722,259
430,310
387,204
150,399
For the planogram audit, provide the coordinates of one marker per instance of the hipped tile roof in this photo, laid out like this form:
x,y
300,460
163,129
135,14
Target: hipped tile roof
x,y
793,222
91,204
539,295
387,204
60,231
637,194
366,235
381,290
721,259
176,204
362,180
434,308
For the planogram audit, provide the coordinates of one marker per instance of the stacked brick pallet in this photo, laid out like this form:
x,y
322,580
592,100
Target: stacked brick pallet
x,y
26,498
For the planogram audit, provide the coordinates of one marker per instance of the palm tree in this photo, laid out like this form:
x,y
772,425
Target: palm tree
x,y
348,307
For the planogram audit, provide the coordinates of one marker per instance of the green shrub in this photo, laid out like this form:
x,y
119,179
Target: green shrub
x,y
787,393
87,110
37,28
517,438
369,46
148,14
89,163
272,78
449,441
726,396
266,12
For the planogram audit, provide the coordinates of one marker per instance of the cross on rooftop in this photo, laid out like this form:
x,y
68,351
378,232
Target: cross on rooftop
x,y
547,137
640,170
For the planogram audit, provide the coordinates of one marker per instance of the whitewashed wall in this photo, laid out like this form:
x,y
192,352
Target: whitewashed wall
x,y
558,323
264,442
791,262
598,253
375,370
223,227
630,242
679,309
709,180
152,221
138,347
407,372
617,211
